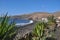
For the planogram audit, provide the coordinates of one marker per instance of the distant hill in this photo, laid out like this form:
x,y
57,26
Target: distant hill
x,y
56,14
36,15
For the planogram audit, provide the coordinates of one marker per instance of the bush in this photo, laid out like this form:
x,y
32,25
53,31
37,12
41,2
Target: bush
x,y
51,22
38,31
7,30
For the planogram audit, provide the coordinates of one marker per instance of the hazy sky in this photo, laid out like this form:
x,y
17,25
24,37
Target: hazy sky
x,y
16,7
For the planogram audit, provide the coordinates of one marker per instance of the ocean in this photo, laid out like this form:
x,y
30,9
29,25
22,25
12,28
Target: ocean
x,y
21,22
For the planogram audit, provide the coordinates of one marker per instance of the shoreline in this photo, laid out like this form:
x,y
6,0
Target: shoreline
x,y
23,30
24,24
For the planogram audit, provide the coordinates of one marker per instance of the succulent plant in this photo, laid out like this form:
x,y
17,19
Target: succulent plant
x,y
39,30
6,29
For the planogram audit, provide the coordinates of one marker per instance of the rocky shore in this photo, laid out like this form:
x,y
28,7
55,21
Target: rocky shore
x,y
22,31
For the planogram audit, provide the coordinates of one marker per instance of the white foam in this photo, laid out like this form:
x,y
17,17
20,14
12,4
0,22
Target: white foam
x,y
23,24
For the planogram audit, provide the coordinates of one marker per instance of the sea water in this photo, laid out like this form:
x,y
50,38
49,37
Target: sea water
x,y
21,22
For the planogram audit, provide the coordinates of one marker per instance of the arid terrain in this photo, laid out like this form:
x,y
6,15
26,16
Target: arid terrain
x,y
36,15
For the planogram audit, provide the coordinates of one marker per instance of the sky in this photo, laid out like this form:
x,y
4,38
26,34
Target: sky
x,y
18,7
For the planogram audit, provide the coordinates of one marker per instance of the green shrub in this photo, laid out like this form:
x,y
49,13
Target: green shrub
x,y
51,19
51,22
6,30
38,31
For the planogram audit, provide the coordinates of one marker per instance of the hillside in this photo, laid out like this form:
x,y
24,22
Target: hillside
x,y
36,15
56,14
